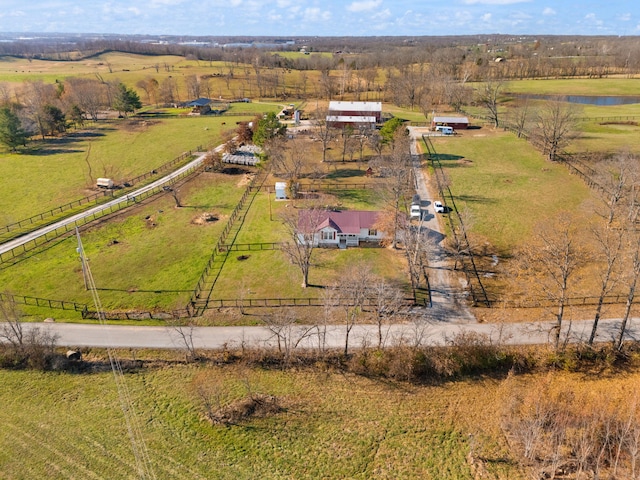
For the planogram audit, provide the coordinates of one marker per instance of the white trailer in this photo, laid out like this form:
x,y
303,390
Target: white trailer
x,y
104,183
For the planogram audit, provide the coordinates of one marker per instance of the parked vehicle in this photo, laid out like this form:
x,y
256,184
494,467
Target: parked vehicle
x,y
444,130
104,183
415,211
438,207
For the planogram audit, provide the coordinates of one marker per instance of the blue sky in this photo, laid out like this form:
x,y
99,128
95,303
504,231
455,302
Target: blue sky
x,y
323,17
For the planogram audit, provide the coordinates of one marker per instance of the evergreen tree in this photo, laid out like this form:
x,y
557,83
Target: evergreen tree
x,y
126,100
388,130
12,134
54,119
267,127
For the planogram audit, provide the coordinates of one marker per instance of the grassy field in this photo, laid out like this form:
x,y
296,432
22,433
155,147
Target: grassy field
x,y
137,258
55,172
333,426
140,262
506,184
575,86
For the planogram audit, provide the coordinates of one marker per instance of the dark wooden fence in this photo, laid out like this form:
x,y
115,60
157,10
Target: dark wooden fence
x,y
48,217
43,302
19,251
470,269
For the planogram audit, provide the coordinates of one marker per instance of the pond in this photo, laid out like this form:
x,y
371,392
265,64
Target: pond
x,y
599,100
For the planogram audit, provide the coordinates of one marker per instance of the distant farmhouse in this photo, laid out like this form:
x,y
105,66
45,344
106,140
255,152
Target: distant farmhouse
x,y
458,123
354,114
205,106
342,229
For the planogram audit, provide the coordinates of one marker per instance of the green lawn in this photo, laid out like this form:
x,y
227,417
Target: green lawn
x,y
55,172
506,184
575,86
270,274
62,426
149,257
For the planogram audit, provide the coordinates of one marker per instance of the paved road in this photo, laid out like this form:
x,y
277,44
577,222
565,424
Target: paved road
x,y
447,294
420,332
130,197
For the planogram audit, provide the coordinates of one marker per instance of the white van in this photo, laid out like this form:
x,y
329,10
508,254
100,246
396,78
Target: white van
x,y
444,130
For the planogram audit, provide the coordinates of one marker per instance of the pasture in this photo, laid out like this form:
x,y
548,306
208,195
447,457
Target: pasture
x,y
61,170
333,426
506,185
331,423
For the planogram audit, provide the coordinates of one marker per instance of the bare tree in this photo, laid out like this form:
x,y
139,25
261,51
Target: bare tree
x,y
149,86
33,346
632,262
553,260
12,331
282,324
399,185
520,117
610,246
555,127
388,302
323,130
354,289
302,229
488,97
347,133
88,94
182,336
193,86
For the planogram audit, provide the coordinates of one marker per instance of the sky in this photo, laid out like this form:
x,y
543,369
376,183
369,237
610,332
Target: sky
x,y
286,18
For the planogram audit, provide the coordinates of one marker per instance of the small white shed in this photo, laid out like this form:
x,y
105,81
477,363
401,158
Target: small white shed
x,y
281,190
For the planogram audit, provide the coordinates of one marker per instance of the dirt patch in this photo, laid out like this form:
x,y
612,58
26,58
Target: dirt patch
x,y
205,218
628,122
136,125
234,171
246,178
150,221
254,406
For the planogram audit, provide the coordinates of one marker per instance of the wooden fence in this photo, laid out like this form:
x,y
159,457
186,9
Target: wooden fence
x,y
54,214
64,230
43,302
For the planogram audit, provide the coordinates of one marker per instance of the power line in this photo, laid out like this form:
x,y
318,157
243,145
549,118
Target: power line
x,y
140,451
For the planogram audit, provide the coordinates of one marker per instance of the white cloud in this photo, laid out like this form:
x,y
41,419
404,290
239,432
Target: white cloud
x,y
155,3
284,3
314,14
548,11
382,15
493,2
274,17
625,17
364,5
486,17
592,19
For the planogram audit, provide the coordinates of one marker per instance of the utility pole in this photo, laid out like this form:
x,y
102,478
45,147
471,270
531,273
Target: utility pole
x,y
83,259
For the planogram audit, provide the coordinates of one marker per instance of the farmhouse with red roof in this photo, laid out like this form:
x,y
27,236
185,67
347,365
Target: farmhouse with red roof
x,y
330,228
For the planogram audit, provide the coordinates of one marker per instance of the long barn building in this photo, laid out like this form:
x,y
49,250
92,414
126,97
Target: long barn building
x,y
355,114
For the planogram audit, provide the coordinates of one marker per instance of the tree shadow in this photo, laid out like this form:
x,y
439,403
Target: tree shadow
x,y
474,199
443,157
346,173
88,134
43,152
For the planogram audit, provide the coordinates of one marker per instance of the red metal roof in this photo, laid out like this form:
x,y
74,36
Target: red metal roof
x,y
343,221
